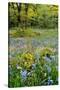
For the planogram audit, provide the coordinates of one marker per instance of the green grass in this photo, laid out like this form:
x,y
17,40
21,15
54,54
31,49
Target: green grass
x,y
31,32
28,32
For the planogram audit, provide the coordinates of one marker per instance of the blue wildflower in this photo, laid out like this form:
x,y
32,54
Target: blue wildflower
x,y
50,82
48,68
47,59
24,74
33,66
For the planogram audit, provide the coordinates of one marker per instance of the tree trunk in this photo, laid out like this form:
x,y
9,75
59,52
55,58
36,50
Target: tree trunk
x,y
26,13
19,10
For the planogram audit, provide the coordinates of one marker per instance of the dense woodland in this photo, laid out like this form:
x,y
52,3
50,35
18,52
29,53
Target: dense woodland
x,y
32,15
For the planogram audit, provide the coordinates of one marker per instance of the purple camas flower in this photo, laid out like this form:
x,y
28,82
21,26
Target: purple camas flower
x,y
47,59
50,81
23,74
48,68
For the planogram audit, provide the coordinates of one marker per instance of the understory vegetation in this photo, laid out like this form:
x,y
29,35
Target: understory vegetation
x,y
34,69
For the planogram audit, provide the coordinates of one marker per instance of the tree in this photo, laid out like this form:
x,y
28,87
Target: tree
x,y
33,15
19,10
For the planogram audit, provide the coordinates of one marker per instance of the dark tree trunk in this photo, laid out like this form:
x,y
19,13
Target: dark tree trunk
x,y
19,10
26,12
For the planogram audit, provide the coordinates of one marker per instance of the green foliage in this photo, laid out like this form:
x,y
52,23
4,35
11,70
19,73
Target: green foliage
x,y
34,15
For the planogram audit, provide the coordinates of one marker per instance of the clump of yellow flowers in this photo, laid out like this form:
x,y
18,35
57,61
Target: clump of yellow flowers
x,y
28,56
27,60
46,50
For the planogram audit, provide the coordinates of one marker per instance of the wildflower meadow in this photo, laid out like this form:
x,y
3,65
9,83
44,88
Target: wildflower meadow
x,y
33,45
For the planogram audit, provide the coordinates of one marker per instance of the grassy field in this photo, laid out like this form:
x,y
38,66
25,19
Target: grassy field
x,y
33,57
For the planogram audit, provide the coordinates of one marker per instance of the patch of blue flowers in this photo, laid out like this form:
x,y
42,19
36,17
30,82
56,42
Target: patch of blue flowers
x,y
50,81
23,74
